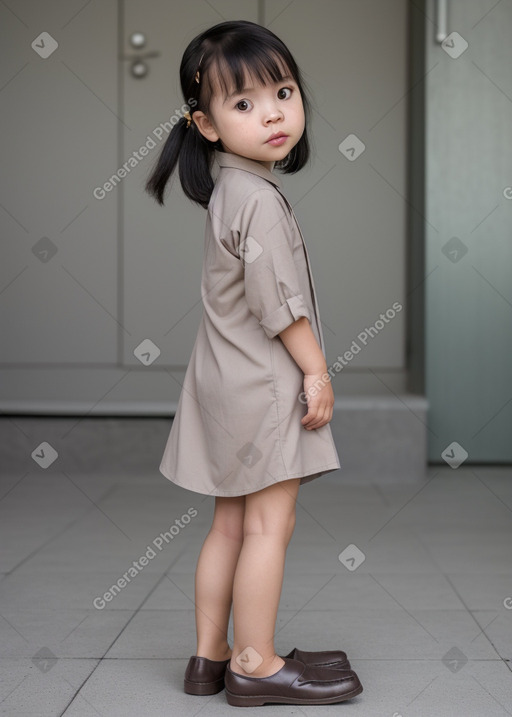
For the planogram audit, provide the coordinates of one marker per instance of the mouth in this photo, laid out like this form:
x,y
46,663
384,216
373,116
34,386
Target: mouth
x,y
277,139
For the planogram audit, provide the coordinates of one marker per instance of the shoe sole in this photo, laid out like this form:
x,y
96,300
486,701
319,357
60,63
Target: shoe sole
x,y
203,688
259,700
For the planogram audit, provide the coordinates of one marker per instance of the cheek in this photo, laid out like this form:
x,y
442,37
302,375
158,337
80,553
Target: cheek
x,y
296,116
241,125
301,118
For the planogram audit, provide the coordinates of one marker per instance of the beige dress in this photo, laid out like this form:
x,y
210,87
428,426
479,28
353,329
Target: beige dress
x,y
237,426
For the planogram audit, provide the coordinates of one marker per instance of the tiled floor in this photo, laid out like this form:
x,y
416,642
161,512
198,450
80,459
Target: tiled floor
x,y
426,618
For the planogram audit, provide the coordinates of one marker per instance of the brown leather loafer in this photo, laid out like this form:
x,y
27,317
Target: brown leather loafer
x,y
334,659
204,676
294,684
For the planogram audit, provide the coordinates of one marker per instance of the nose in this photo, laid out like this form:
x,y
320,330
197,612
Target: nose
x,y
273,114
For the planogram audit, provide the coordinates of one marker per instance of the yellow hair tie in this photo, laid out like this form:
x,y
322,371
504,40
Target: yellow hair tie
x,y
188,118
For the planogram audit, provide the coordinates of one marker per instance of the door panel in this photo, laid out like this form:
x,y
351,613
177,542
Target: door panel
x,y
468,247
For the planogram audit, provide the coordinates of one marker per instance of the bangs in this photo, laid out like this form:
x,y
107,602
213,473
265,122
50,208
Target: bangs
x,y
230,71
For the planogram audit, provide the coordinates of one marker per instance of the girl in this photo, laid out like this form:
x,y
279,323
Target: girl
x,y
252,419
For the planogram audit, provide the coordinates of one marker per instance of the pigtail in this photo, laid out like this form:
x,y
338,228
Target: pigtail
x,y
166,161
195,163
186,147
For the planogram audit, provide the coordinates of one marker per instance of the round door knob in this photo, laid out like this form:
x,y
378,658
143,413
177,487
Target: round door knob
x,y
137,39
139,69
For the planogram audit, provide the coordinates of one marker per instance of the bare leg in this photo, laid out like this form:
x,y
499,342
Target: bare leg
x,y
214,577
268,526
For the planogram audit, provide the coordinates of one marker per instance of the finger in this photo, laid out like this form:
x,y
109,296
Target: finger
x,y
315,423
310,417
320,420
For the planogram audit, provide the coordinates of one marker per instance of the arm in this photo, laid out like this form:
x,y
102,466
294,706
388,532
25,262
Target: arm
x,y
300,341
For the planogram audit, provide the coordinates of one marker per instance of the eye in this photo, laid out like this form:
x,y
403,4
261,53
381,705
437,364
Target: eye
x,y
243,105
284,93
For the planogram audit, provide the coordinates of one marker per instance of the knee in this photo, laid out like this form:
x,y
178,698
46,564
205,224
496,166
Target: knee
x,y
271,511
228,531
229,520
280,525
229,528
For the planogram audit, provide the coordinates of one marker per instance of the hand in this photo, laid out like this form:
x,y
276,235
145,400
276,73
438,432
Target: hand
x,y
320,400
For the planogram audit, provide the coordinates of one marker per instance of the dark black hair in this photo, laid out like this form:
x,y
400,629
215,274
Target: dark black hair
x,y
222,55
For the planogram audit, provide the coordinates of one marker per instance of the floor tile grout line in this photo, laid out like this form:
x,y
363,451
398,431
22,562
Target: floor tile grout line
x,y
116,638
75,520
470,612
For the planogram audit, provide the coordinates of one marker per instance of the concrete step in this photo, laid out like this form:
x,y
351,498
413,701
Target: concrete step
x,y
377,438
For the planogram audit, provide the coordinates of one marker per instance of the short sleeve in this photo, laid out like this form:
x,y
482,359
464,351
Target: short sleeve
x,y
272,285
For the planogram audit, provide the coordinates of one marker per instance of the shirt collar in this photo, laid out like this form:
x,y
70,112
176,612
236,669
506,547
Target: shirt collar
x,y
227,159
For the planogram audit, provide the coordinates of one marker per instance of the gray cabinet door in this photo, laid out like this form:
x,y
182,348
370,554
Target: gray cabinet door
x,y
59,125
468,233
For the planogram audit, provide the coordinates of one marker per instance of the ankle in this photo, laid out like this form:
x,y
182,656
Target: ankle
x,y
216,653
269,666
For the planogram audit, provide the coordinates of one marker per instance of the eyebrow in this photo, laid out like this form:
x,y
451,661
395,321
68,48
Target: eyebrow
x,y
245,90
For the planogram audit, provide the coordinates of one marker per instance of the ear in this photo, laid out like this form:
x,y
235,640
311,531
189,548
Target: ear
x,y
205,126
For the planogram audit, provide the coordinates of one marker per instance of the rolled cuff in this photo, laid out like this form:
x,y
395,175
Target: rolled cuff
x,y
285,315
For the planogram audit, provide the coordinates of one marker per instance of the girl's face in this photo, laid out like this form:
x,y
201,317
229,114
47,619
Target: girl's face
x,y
247,122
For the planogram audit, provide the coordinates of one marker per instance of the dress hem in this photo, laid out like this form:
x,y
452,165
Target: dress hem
x,y
226,494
